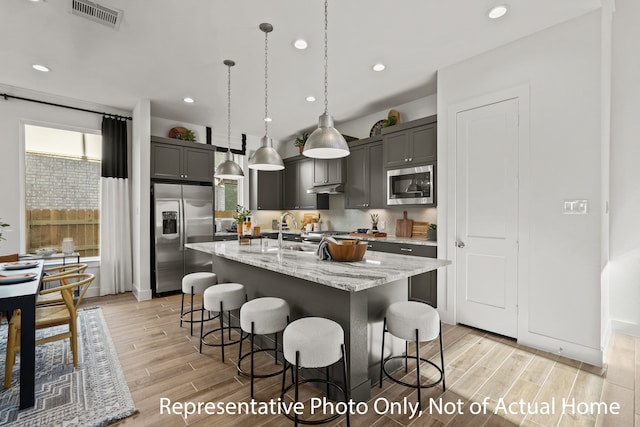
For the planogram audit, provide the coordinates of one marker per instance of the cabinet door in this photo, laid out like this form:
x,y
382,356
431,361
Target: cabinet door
x,y
424,287
396,149
305,181
320,171
198,164
423,144
291,185
376,177
334,171
269,191
166,161
357,187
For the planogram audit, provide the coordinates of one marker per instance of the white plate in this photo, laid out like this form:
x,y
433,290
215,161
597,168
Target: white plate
x,y
17,278
19,265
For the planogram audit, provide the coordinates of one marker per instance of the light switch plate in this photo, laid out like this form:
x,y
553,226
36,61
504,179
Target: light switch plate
x,y
575,207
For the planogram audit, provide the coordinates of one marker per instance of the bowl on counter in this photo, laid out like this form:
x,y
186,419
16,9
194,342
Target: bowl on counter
x,y
45,252
347,250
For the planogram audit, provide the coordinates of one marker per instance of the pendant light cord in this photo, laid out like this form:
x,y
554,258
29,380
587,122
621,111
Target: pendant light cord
x,y
266,83
229,107
326,57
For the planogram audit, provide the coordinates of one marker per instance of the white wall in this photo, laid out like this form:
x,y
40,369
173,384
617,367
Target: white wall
x,y
562,67
625,172
13,114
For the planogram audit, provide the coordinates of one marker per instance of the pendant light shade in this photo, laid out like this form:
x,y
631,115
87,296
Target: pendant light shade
x,y
266,157
326,142
229,169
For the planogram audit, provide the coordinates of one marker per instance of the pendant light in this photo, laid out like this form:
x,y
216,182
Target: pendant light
x,y
266,157
326,142
229,169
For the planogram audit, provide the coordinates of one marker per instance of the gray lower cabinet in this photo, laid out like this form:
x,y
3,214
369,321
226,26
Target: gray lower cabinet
x,y
423,287
181,161
266,190
365,177
298,177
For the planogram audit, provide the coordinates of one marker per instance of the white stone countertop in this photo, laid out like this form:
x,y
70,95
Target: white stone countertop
x,y
390,238
375,269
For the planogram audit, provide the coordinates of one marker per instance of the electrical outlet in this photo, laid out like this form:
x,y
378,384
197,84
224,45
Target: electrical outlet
x,y
382,225
575,207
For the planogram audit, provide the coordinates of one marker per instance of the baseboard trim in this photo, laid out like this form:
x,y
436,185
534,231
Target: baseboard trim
x,y
142,294
627,328
563,348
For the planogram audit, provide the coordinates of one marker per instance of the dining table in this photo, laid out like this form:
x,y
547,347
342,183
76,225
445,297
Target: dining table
x,y
19,285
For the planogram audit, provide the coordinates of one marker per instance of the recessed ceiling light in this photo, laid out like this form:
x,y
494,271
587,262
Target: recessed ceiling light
x,y
300,44
311,98
378,67
498,11
189,100
41,68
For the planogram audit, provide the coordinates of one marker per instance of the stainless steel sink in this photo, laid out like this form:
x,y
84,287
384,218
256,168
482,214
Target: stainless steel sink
x,y
307,248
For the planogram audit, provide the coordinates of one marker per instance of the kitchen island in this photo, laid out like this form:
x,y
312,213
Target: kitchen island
x,y
354,294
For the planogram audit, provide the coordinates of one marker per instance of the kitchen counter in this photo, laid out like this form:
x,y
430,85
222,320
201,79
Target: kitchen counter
x,y
355,295
375,269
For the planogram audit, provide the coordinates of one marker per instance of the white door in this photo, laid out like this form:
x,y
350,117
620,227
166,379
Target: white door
x,y
487,217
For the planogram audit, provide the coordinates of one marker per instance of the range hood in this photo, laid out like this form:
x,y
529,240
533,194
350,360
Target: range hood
x,y
327,189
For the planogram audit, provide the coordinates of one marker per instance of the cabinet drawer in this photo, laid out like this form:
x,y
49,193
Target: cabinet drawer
x,y
404,249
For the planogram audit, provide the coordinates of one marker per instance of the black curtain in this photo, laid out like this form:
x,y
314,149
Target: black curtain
x,y
114,148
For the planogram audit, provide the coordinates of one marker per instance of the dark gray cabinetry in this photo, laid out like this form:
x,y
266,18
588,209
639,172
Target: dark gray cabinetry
x,y
327,171
298,177
265,190
422,287
365,176
181,161
411,143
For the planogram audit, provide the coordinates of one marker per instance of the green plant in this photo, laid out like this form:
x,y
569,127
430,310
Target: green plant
x,y
433,226
301,140
241,214
3,225
389,121
188,135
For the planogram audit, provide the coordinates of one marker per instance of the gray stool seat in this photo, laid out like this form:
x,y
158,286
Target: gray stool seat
x,y
221,298
314,342
195,284
417,322
262,316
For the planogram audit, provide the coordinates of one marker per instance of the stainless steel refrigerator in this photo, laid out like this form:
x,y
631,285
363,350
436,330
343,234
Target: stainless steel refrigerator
x,y
181,214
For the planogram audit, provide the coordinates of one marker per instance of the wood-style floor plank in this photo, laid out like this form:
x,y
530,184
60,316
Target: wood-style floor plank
x,y
161,360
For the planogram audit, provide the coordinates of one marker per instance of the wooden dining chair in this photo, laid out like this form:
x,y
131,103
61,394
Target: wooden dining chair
x,y
58,273
49,316
9,258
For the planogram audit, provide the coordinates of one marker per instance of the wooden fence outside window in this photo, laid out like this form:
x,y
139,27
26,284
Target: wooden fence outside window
x,y
47,227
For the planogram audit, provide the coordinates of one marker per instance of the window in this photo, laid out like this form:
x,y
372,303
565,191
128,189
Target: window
x,y
62,186
226,190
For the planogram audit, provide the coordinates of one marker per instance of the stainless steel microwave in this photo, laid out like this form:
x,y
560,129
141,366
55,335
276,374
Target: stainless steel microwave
x,y
411,186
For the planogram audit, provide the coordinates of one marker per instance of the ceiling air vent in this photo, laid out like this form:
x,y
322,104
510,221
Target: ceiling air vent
x,y
97,12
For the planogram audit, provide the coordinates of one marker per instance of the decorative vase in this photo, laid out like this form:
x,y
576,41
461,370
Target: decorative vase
x,y
301,148
432,235
374,227
240,229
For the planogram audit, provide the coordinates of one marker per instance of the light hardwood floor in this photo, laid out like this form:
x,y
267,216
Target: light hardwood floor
x,y
160,360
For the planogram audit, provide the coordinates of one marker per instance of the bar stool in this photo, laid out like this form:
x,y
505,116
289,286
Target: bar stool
x,y
262,316
195,284
417,322
314,342
223,297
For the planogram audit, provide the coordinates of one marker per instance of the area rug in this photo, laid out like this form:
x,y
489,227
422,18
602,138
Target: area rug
x,y
93,394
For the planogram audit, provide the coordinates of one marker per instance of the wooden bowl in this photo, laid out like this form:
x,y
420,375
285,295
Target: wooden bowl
x,y
347,250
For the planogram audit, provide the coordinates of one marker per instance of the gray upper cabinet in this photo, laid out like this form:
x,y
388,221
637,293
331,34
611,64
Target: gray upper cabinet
x,y
327,171
410,143
181,161
298,177
266,190
365,179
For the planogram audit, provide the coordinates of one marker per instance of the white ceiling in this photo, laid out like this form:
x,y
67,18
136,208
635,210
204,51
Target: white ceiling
x,y
165,50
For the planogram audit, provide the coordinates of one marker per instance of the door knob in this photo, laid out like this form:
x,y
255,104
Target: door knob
x,y
460,245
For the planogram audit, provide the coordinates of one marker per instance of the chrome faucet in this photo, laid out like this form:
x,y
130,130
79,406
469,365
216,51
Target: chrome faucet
x,y
282,217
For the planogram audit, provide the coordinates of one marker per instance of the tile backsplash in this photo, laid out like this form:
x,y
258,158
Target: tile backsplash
x,y
339,218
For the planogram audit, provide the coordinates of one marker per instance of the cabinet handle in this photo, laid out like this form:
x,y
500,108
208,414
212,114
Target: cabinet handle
x,y
369,246
406,160
410,159
406,249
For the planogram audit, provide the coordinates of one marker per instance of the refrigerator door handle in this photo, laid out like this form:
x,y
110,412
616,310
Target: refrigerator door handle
x,y
182,226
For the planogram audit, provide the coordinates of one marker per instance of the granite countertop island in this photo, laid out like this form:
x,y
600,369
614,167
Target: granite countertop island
x,y
353,294
376,268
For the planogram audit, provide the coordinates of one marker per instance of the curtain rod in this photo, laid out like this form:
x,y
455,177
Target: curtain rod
x,y
7,96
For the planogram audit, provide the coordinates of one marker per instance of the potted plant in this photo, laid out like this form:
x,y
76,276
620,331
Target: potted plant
x,y
374,221
240,216
301,140
432,232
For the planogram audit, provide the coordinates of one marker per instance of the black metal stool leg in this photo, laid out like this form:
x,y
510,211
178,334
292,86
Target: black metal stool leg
x,y
252,353
418,370
191,325
442,358
406,357
347,388
222,331
275,350
181,309
297,380
384,331
201,334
